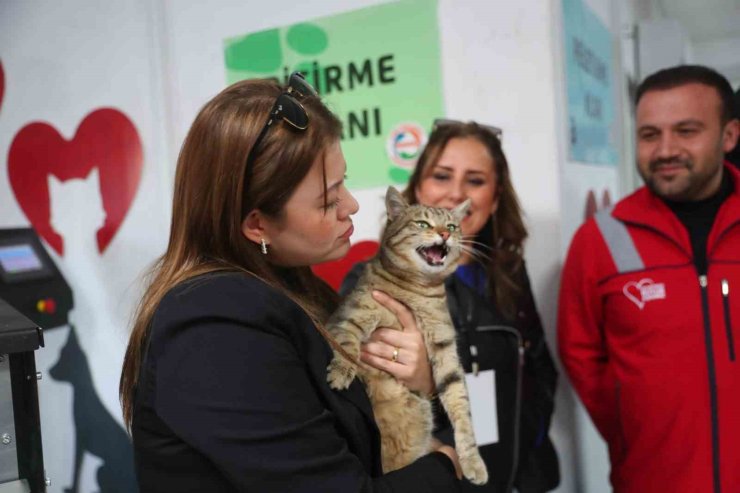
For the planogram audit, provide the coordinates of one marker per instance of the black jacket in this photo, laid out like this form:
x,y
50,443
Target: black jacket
x,y
233,398
525,385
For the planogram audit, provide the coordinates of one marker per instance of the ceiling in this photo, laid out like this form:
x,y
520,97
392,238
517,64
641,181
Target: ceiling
x,y
705,20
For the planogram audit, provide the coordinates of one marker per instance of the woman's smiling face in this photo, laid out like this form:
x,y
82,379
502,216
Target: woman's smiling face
x,y
465,169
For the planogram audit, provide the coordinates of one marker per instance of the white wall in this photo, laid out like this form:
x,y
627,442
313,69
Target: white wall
x,y
590,467
722,55
663,43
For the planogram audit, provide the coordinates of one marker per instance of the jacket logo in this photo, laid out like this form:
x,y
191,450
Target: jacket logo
x,y
643,291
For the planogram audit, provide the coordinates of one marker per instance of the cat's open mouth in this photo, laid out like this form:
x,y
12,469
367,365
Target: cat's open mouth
x,y
433,255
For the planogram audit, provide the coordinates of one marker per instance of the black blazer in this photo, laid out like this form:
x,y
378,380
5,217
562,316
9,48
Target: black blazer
x,y
233,397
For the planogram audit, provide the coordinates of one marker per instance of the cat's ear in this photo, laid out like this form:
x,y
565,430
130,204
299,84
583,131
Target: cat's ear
x,y
461,210
54,184
395,204
72,337
93,176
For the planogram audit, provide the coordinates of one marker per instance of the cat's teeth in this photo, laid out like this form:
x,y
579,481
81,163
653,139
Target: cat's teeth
x,y
434,255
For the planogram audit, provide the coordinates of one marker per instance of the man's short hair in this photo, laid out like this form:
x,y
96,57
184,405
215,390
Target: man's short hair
x,y
680,75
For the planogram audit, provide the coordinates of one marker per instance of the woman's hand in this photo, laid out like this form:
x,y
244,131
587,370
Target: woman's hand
x,y
400,353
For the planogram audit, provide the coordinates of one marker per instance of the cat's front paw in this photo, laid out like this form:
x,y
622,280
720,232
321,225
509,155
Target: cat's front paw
x,y
341,373
473,467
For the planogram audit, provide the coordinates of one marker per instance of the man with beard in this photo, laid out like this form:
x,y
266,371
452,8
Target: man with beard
x,y
649,314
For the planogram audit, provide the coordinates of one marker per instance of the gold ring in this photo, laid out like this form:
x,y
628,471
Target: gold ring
x,y
394,358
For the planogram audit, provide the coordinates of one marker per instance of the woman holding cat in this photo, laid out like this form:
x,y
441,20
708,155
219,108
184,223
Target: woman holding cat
x,y
224,379
491,303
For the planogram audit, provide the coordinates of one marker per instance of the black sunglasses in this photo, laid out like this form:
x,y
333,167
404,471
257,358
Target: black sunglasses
x,y
443,122
288,109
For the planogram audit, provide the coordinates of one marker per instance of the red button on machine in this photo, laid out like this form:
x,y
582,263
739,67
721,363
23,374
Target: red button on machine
x,y
47,305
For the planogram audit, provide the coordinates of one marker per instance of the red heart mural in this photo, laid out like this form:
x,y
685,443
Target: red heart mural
x,y
334,272
105,139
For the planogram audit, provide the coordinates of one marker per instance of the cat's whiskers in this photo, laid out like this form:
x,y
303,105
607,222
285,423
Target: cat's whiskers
x,y
475,254
466,241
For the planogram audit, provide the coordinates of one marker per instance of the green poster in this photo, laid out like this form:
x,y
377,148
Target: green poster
x,y
377,68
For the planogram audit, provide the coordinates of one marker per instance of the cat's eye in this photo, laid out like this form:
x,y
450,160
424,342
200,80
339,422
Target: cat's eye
x,y
452,228
423,224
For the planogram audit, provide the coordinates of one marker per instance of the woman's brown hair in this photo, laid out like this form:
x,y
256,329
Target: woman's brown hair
x,y
210,199
504,234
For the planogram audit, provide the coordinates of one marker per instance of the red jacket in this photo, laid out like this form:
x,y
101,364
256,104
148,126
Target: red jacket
x,y
652,348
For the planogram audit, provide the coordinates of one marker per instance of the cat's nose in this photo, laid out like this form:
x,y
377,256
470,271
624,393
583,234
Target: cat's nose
x,y
444,234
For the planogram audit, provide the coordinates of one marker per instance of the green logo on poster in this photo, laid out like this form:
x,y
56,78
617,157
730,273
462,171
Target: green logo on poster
x,y
374,88
263,53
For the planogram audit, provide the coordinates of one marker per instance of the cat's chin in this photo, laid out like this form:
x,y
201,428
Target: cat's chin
x,y
437,271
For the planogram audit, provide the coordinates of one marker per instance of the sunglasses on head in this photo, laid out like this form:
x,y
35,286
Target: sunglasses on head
x,y
288,109
444,122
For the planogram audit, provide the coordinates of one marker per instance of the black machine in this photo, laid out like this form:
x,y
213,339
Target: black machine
x,y
33,295
29,280
21,460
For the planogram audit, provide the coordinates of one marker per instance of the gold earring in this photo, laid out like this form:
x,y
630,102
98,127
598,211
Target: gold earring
x,y
263,246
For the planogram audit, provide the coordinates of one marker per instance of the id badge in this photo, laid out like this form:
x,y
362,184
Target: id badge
x,y
482,393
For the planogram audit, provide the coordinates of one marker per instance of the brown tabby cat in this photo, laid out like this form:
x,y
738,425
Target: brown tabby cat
x,y
419,248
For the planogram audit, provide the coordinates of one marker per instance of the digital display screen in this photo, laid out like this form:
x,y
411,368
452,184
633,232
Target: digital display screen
x,y
16,259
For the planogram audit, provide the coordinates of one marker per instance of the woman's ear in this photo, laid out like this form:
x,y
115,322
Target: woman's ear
x,y
730,135
253,227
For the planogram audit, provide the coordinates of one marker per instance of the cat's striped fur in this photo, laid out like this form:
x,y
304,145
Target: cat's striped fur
x,y
415,277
